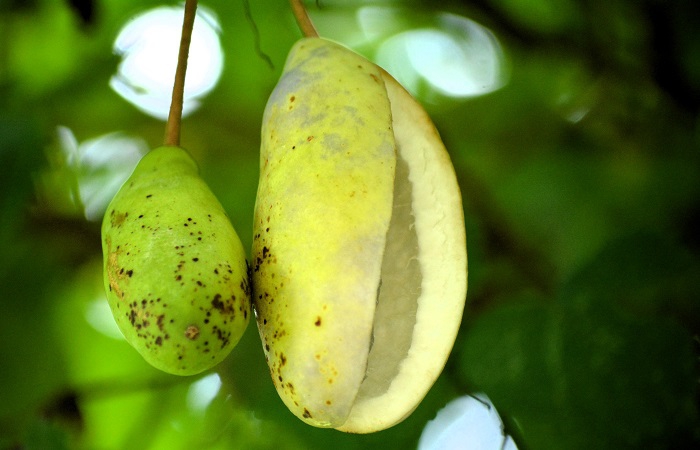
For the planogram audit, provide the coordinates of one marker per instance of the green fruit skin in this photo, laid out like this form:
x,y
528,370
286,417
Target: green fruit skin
x,y
175,271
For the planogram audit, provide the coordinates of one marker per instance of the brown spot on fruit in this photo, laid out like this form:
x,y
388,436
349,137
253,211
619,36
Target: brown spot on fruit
x,y
217,303
192,332
318,321
112,264
307,414
118,218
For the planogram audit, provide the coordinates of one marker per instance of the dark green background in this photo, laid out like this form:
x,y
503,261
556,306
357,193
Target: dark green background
x,y
583,317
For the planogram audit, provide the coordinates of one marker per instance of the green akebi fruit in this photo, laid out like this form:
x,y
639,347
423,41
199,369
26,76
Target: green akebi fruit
x,y
174,268
360,265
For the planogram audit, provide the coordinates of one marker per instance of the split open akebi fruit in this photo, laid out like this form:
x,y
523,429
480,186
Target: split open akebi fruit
x,y
359,251
174,269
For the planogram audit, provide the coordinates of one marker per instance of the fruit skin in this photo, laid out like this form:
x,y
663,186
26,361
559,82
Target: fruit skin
x,y
322,213
175,271
359,247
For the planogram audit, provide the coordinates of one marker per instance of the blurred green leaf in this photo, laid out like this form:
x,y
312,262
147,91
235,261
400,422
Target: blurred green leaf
x,y
643,273
579,371
45,435
544,16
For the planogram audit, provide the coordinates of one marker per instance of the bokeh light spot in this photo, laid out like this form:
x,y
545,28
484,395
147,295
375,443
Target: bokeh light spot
x,y
202,392
466,423
148,45
97,168
458,59
99,316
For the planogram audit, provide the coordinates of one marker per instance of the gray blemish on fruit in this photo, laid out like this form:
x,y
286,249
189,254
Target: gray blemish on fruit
x,y
334,143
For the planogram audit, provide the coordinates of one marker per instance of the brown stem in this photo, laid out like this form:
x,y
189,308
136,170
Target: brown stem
x,y
303,19
172,127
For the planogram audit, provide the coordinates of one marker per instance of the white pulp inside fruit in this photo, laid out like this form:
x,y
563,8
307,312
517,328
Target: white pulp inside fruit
x,y
424,274
400,288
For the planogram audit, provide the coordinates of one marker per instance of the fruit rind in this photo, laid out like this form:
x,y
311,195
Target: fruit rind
x,y
175,271
323,209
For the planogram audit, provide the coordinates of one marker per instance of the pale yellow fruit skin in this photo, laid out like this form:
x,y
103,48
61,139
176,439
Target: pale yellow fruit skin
x,y
322,212
175,271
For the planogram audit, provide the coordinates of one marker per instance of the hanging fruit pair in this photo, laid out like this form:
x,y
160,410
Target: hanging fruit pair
x,y
359,251
359,269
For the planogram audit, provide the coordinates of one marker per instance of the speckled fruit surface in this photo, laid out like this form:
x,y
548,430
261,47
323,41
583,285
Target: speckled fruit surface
x,y
359,251
174,268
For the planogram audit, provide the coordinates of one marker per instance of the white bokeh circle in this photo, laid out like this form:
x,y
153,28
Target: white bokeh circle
x,y
148,45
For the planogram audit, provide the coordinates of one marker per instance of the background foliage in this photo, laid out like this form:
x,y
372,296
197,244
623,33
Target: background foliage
x,y
580,180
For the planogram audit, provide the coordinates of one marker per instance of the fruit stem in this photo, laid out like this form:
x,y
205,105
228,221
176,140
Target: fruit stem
x,y
303,19
172,127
